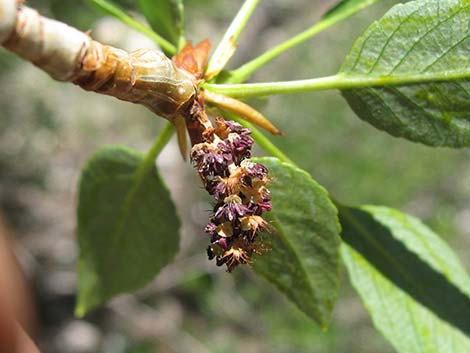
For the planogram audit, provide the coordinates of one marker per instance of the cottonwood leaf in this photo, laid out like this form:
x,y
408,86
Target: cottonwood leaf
x,y
410,281
419,54
166,17
127,230
303,262
347,6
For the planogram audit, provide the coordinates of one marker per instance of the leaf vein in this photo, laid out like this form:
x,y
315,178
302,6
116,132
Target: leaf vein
x,y
419,107
446,52
418,41
392,35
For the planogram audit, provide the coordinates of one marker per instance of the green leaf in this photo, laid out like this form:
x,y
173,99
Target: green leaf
x,y
420,52
411,282
166,17
347,6
304,259
127,226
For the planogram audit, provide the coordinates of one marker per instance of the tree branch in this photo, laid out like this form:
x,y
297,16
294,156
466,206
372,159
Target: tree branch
x,y
145,76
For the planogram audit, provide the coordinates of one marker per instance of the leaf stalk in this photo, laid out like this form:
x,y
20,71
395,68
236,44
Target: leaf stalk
x,y
160,142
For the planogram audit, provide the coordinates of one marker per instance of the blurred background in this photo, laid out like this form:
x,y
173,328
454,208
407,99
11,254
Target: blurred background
x,y
48,129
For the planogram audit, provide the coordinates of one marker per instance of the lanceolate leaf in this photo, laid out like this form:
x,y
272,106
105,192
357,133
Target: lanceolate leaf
x,y
166,17
423,47
411,282
304,258
346,6
127,226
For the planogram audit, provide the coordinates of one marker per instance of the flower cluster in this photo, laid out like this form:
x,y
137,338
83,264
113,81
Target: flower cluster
x,y
239,188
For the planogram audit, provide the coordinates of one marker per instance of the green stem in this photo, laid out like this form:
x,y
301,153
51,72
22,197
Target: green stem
x,y
226,47
244,72
118,13
160,142
339,81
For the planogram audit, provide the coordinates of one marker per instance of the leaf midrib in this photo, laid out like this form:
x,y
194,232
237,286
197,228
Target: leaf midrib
x,y
358,80
136,180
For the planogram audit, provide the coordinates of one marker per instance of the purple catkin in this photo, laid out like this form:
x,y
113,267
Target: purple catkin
x,y
211,228
231,211
222,242
218,189
242,144
259,208
239,187
233,126
257,170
